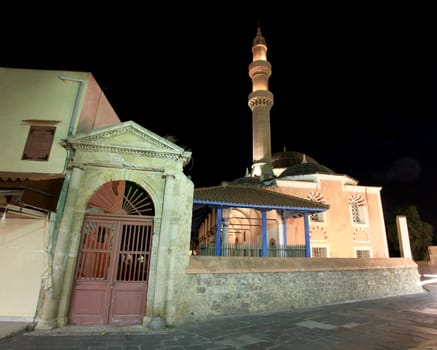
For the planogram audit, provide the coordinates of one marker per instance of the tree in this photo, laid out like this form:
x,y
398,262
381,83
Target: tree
x,y
420,233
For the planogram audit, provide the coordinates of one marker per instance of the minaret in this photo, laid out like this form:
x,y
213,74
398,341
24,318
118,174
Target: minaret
x,y
260,102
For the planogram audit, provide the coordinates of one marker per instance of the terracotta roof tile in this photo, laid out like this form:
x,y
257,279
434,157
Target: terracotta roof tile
x,y
253,197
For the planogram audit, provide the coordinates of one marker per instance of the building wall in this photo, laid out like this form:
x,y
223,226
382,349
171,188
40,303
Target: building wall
x,y
69,100
337,231
22,256
217,286
377,231
42,95
33,94
96,111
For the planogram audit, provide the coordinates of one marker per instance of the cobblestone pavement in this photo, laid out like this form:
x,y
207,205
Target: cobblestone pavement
x,y
407,322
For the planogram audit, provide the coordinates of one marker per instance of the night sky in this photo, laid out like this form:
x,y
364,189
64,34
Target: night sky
x,y
352,88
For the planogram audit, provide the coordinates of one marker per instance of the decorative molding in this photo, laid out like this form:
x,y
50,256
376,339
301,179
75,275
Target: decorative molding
x,y
361,234
121,131
97,164
93,147
318,233
260,101
358,199
154,145
40,122
316,196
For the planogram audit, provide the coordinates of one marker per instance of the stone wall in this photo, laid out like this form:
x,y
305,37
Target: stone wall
x,y
218,286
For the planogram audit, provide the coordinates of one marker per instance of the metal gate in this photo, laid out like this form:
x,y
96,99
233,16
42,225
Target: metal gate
x,y
112,270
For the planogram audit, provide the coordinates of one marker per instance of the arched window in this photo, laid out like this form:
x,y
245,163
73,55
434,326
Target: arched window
x,y
121,198
358,209
317,197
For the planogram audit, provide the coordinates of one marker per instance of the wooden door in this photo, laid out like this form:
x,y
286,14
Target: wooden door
x,y
112,270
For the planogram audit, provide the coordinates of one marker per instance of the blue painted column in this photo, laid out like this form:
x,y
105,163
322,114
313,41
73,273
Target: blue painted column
x,y
307,236
284,229
218,242
264,233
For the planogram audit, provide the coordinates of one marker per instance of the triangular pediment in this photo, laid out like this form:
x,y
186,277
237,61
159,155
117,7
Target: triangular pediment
x,y
127,138
126,134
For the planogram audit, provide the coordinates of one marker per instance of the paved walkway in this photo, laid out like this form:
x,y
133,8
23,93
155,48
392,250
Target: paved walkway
x,y
403,323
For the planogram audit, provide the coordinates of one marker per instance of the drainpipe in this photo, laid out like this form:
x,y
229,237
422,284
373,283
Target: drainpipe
x,y
76,102
49,310
63,193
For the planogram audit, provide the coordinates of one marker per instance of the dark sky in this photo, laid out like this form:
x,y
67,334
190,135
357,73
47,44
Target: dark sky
x,y
353,87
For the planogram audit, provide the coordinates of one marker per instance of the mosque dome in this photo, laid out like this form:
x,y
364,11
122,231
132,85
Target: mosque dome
x,y
254,181
297,163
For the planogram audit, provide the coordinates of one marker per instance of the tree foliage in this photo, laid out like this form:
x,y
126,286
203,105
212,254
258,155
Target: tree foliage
x,y
420,233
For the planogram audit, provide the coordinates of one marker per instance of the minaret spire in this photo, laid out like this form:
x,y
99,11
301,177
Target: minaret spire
x,y
260,102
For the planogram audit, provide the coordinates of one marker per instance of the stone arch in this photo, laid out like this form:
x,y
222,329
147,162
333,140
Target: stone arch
x,y
241,224
96,178
125,152
121,198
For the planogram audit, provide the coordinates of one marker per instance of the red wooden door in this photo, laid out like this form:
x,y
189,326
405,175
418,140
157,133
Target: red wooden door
x,y
112,270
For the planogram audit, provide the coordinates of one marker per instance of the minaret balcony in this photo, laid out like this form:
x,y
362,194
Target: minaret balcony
x,y
260,98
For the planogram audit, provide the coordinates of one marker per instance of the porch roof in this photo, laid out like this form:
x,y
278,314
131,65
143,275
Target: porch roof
x,y
230,195
39,190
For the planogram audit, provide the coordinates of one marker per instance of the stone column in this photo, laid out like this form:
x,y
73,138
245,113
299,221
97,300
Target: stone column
x,y
403,237
165,263
50,305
